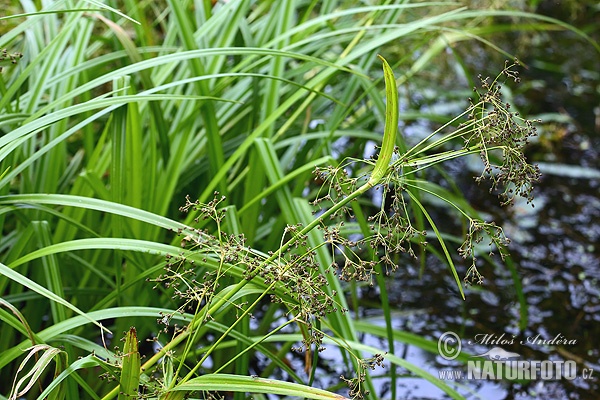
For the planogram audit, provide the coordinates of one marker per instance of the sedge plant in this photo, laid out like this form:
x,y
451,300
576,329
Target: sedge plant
x,y
110,118
292,276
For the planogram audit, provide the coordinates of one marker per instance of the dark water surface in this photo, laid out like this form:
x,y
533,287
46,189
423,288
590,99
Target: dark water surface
x,y
555,249
555,246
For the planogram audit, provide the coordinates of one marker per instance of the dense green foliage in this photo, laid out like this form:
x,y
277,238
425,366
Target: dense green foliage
x,y
158,166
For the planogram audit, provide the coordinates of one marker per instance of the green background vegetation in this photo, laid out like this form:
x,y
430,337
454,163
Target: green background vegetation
x,y
119,110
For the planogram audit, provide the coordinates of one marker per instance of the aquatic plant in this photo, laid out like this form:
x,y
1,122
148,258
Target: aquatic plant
x,y
111,119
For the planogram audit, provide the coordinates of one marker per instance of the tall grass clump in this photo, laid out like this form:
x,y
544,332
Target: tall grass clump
x,y
188,202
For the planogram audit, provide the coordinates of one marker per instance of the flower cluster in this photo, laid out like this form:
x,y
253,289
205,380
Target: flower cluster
x,y
478,231
386,233
496,128
355,384
9,58
300,283
291,277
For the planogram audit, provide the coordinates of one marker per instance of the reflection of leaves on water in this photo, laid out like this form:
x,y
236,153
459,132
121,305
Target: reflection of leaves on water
x,y
569,171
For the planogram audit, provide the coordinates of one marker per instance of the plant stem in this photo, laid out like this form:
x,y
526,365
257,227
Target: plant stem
x,y
197,321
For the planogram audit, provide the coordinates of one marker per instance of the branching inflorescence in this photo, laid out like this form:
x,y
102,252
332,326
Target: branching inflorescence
x,y
291,275
498,128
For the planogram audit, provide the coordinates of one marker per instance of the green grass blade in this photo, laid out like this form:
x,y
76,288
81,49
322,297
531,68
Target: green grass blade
x,y
236,383
391,125
28,283
52,271
441,241
87,362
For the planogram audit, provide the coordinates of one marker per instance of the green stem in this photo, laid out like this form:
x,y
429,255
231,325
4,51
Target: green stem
x,y
253,345
378,175
197,321
215,307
